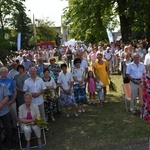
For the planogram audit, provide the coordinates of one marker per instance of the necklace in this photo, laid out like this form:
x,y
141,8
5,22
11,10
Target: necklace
x,y
100,62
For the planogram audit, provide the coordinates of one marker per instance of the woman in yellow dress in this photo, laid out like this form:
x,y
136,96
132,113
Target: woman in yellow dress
x,y
101,71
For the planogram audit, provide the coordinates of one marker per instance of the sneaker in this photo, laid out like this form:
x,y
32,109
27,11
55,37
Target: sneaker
x,y
79,110
40,146
83,110
53,119
90,103
133,112
27,147
67,116
46,129
76,115
101,105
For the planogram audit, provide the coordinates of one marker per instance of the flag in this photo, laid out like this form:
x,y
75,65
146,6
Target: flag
x,y
110,36
19,41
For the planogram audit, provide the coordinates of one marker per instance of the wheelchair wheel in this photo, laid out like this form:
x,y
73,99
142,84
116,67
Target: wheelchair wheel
x,y
3,134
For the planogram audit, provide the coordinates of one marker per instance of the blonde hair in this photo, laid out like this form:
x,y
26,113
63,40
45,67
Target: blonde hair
x,y
27,94
2,69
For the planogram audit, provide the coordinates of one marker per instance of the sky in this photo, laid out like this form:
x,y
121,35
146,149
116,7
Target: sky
x,y
41,9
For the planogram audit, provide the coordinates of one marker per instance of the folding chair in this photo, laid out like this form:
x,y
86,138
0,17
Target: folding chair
x,y
33,141
126,93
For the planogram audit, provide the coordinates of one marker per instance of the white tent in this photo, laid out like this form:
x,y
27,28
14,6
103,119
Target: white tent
x,y
71,42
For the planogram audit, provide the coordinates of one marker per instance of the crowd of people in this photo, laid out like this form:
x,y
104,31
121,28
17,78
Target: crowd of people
x,y
33,84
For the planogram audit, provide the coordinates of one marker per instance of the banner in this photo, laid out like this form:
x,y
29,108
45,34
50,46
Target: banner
x,y
19,41
110,36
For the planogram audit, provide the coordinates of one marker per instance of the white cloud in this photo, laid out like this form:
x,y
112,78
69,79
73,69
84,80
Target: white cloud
x,y
46,8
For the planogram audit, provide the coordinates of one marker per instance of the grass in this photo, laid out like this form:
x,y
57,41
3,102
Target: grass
x,y
97,127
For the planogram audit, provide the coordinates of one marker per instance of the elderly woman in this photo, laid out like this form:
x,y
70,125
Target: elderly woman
x,y
49,95
28,112
19,80
55,68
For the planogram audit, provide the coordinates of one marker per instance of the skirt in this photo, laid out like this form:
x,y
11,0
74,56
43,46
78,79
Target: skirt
x,y
80,93
50,106
67,99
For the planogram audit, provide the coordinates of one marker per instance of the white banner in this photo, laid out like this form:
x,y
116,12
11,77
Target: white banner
x,y
19,41
110,36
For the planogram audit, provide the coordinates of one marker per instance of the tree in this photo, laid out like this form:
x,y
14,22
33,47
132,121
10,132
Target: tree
x,y
45,30
88,21
21,24
125,19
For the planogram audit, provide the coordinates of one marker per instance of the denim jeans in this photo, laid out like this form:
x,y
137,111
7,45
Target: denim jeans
x,y
6,122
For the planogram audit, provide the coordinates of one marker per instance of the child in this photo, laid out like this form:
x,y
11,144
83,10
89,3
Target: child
x,y
99,90
91,87
65,81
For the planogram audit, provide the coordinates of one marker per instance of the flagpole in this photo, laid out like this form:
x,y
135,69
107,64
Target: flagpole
x,y
34,30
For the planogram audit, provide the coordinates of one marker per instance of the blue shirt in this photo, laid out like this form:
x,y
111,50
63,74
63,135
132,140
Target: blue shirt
x,y
3,93
56,73
40,69
27,64
10,85
136,71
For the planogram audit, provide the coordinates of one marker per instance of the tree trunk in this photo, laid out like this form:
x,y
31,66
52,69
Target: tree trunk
x,y
124,21
2,25
148,27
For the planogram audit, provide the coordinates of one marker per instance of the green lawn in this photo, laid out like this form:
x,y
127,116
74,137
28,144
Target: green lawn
x,y
97,127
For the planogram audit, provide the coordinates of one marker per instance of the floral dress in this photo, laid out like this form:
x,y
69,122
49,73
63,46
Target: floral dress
x,y
50,98
66,99
79,90
145,109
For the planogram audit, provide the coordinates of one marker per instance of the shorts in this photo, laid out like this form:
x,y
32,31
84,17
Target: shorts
x,y
100,94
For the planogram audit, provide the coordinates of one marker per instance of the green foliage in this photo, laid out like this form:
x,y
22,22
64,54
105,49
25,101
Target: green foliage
x,y
44,30
21,23
12,15
40,122
87,21
112,87
4,50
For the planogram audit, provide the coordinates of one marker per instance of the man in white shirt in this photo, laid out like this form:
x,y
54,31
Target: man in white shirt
x,y
134,72
13,71
36,87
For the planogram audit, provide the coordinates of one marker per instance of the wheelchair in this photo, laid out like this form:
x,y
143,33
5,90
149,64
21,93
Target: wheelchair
x,y
33,141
